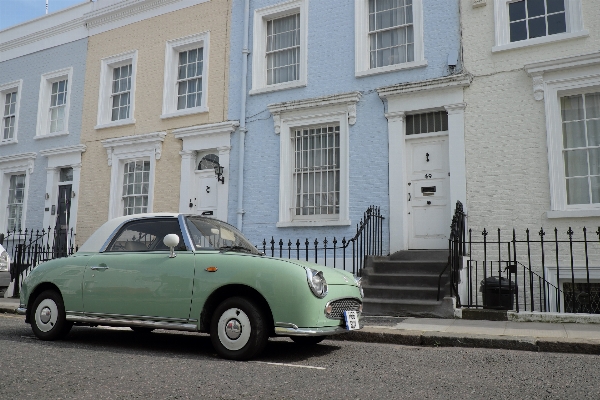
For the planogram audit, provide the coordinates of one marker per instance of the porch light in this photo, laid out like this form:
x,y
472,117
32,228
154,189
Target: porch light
x,y
219,173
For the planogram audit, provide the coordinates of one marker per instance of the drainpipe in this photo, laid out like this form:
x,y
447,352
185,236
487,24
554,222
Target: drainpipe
x,y
242,129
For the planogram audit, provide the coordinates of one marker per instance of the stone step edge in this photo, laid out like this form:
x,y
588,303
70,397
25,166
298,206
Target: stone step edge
x,y
445,339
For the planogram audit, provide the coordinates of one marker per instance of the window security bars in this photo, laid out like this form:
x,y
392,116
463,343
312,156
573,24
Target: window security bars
x,y
581,143
58,101
136,181
436,121
16,196
189,79
30,247
534,18
121,92
368,241
283,49
391,32
316,175
8,123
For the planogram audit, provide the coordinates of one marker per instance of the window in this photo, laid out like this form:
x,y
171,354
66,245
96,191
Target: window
x,y
9,102
16,196
186,76
209,161
280,47
436,121
529,22
66,175
314,159
136,180
53,105
389,36
121,92
116,100
581,143
147,235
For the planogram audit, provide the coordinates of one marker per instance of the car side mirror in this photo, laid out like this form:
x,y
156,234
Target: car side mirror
x,y
171,241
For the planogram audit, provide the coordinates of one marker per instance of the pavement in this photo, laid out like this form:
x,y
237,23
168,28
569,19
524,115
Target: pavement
x,y
558,337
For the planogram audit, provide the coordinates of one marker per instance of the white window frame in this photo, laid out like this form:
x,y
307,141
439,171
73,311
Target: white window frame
x,y
552,80
338,109
259,45
147,147
363,46
4,90
43,119
173,47
574,20
14,165
107,65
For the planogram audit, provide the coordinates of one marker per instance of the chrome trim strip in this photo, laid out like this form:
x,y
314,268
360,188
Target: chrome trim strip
x,y
22,311
185,233
285,325
325,331
126,322
131,317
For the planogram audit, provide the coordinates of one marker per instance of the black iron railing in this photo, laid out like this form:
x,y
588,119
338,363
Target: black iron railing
x,y
456,249
31,247
368,241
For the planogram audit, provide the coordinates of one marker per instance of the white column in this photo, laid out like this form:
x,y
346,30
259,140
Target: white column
x,y
397,182
75,200
50,185
223,191
188,165
458,171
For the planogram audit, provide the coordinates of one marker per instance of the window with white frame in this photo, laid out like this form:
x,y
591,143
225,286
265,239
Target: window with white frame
x,y
280,47
136,183
389,35
581,147
529,22
53,105
10,95
116,98
16,198
186,75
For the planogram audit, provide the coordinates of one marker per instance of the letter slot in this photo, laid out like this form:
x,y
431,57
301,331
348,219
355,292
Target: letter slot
x,y
428,190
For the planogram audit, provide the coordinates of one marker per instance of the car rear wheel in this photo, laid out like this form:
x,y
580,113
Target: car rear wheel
x,y
238,329
49,321
307,340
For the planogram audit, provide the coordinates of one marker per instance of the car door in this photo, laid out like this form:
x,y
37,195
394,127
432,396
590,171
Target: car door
x,y
135,277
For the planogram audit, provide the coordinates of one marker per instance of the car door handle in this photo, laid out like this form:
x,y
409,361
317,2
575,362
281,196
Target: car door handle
x,y
98,267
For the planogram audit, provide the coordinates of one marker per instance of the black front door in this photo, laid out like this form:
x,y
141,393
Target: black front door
x,y
62,229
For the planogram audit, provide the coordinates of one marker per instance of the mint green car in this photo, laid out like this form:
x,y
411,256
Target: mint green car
x,y
191,273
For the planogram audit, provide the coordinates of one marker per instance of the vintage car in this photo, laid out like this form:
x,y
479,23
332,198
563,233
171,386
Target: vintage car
x,y
192,273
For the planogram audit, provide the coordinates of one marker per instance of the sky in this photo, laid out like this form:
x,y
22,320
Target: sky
x,y
13,12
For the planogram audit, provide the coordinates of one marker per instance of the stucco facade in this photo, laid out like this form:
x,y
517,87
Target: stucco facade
x,y
147,38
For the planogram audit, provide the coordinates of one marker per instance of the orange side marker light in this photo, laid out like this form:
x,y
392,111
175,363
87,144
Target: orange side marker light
x,y
211,269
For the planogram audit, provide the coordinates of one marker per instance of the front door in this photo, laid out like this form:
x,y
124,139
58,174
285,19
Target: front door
x,y
207,193
428,192
63,215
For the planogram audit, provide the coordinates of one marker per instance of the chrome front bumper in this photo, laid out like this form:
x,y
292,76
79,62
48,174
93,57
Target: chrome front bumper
x,y
292,330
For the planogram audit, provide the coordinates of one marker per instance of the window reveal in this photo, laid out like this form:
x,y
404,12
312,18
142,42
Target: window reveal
x,y
136,182
316,175
16,197
581,147
534,18
391,32
121,92
58,101
8,124
189,79
283,49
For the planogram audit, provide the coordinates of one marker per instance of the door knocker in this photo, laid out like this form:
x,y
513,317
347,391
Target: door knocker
x,y
427,156
208,189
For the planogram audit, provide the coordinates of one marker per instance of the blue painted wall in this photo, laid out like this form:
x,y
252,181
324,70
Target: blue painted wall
x,y
330,70
30,68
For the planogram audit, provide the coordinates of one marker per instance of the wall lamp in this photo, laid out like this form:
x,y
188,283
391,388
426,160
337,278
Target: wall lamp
x,y
219,173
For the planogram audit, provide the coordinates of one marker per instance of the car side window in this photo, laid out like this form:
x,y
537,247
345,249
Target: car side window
x,y
146,235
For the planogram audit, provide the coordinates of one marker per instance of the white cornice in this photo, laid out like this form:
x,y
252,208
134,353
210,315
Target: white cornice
x,y
79,148
26,160
461,80
122,9
43,34
562,63
208,129
333,100
146,142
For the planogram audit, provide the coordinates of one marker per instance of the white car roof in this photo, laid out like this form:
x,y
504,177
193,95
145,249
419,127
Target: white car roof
x,y
98,238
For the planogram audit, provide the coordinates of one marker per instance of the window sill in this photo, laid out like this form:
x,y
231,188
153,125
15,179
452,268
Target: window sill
x,y
573,214
279,86
541,40
50,135
7,142
391,68
288,224
112,124
187,111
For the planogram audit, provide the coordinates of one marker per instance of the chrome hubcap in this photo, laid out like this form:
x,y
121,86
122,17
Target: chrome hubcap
x,y
233,329
45,315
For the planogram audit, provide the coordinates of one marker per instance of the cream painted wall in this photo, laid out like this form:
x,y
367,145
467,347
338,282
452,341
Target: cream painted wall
x,y
149,38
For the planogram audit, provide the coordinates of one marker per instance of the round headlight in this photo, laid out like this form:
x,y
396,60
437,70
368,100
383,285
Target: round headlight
x,y
359,284
4,262
316,282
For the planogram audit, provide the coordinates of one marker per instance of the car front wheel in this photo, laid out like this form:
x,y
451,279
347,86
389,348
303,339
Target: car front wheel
x,y
238,329
49,321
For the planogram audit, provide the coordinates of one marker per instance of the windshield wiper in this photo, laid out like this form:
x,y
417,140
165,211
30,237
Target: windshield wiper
x,y
223,249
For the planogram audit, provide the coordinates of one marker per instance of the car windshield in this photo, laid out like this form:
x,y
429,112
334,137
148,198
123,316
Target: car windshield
x,y
212,234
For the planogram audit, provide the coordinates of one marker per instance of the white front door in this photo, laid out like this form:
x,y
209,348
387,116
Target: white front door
x,y
428,191
206,198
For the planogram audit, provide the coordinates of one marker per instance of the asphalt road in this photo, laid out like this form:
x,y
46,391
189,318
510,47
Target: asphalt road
x,y
102,363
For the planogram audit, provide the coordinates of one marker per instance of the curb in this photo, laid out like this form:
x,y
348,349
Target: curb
x,y
444,339
8,309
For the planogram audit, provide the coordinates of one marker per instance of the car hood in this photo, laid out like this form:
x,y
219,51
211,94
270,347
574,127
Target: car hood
x,y
332,276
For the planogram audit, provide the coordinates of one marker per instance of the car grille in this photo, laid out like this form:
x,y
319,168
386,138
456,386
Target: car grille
x,y
339,306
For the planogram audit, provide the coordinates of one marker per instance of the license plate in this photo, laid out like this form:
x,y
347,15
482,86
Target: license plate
x,y
351,318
